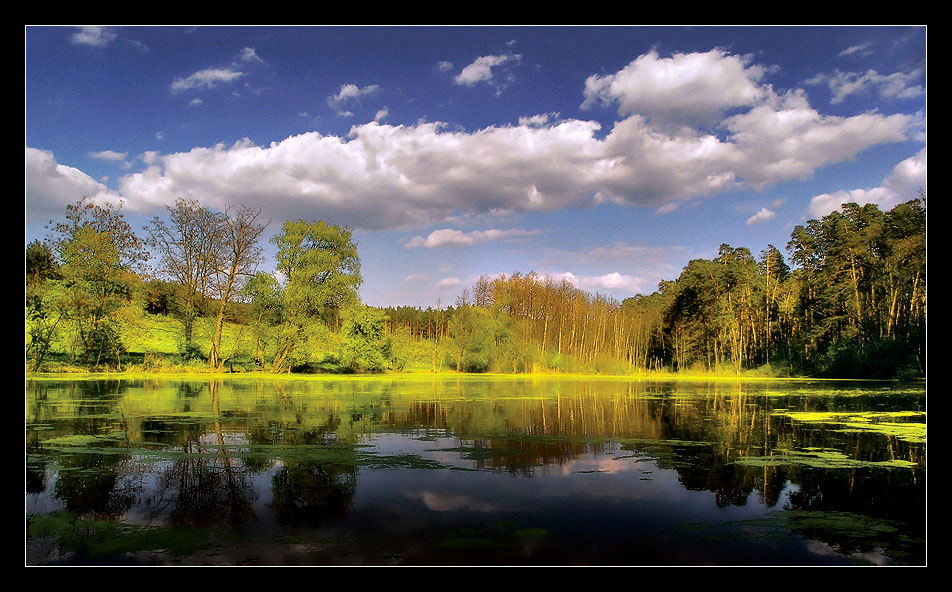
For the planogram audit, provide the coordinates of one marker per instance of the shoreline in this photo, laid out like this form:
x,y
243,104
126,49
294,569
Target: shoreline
x,y
664,377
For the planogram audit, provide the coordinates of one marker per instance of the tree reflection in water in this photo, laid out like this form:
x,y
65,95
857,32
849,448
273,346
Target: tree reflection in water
x,y
203,455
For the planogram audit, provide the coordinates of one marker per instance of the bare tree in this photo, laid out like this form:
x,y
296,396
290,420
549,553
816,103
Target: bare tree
x,y
241,255
192,248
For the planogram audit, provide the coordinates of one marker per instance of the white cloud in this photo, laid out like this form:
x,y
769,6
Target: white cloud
x,y
50,186
195,102
94,36
902,184
449,282
762,216
447,237
614,283
248,54
159,135
382,114
405,176
444,66
683,89
787,139
888,86
862,48
351,91
422,174
481,70
537,120
206,79
109,155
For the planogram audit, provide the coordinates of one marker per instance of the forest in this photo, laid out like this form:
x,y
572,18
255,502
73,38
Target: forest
x,y
187,293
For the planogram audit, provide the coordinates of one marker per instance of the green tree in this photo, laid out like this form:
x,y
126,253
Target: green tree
x,y
40,264
321,272
96,286
44,316
366,344
98,257
133,253
478,338
267,309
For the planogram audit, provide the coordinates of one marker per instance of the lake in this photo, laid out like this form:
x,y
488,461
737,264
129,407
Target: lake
x,y
474,470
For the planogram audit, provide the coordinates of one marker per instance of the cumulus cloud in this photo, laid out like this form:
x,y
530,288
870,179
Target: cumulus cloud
x,y
762,216
51,186
447,237
888,86
421,174
788,139
481,69
352,91
206,79
93,36
109,155
695,88
405,176
902,184
349,92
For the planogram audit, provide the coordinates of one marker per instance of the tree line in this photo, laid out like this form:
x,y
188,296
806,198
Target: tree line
x,y
852,305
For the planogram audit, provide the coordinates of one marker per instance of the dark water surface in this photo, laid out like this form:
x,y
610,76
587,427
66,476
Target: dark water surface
x,y
415,470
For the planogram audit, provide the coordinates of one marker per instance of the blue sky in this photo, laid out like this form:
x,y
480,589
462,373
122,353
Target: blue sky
x,y
611,156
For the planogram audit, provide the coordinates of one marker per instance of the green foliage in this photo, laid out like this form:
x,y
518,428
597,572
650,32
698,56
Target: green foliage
x,y
43,320
853,305
320,265
365,344
321,272
96,287
40,264
482,341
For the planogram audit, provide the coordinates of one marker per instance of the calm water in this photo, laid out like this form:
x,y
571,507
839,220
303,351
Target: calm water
x,y
474,470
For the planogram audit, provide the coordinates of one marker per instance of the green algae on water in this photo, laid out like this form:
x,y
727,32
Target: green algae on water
x,y
820,459
910,427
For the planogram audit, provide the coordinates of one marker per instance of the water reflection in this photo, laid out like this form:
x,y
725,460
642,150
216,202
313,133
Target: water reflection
x,y
623,458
